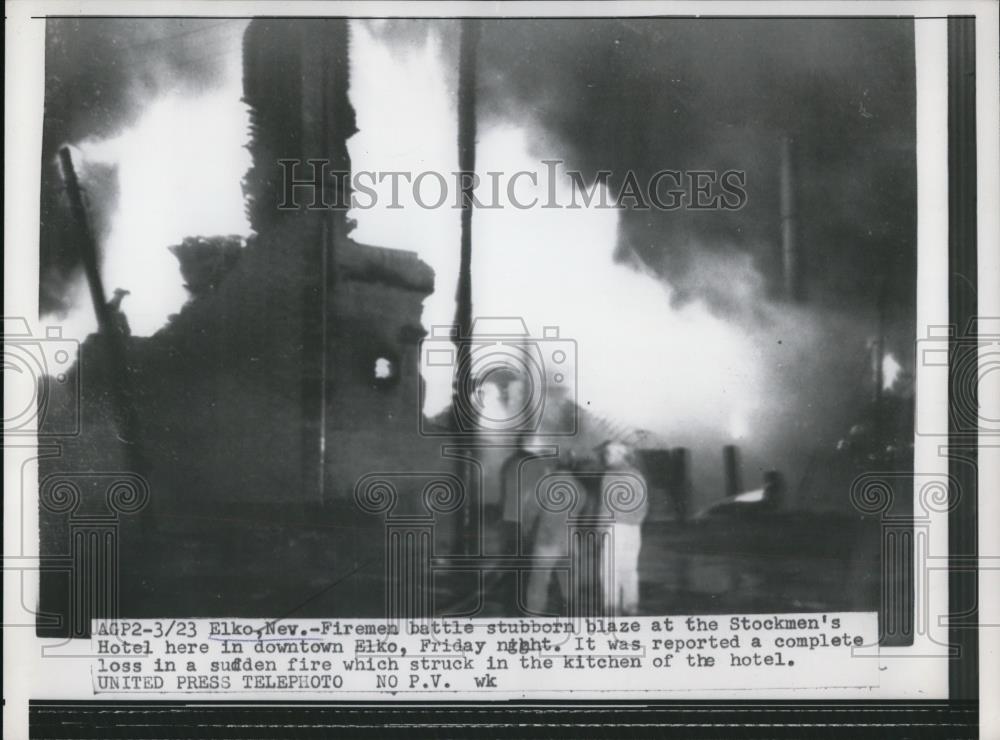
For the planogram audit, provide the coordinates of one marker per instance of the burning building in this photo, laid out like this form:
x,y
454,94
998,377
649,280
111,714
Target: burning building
x,y
292,374
292,371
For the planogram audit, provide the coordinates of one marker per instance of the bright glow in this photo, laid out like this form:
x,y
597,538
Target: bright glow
x,y
890,371
738,427
749,497
383,369
179,171
549,266
407,122
639,360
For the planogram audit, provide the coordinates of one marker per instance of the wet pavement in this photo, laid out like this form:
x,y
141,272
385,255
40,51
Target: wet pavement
x,y
311,568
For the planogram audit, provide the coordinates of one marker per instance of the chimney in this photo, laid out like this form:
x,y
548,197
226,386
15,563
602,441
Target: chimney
x,y
295,86
680,459
731,464
791,262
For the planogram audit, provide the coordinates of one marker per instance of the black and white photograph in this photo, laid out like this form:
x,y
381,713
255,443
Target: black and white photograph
x,y
559,325
682,301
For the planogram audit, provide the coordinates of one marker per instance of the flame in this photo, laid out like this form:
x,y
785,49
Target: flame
x,y
890,371
179,169
638,358
680,371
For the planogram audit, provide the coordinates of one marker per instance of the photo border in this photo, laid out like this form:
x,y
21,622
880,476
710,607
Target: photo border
x,y
956,717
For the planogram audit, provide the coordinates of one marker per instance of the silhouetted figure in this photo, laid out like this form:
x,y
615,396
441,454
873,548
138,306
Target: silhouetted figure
x,y
515,526
535,506
623,491
118,317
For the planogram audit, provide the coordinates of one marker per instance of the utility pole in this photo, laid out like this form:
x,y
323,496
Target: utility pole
x,y
791,258
117,375
463,299
467,166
